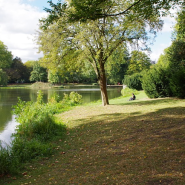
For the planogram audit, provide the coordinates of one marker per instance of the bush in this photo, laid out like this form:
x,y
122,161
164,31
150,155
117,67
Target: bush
x,y
73,98
155,83
133,81
38,127
128,92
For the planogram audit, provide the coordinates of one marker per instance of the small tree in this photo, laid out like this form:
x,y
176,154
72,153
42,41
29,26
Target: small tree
x,y
39,73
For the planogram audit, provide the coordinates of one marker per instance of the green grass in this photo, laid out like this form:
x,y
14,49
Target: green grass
x,y
126,143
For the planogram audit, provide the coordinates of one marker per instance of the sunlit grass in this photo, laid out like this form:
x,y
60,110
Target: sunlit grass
x,y
126,143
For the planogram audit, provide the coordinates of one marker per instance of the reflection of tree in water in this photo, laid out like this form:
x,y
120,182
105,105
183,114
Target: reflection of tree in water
x,y
46,94
6,116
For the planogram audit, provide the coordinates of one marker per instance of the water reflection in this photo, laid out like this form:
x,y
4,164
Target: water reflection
x,y
9,97
9,129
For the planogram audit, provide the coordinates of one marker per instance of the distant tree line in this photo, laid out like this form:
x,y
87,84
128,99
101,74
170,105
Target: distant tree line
x,y
13,70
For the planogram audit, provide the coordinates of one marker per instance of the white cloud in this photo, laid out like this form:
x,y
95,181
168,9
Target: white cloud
x,y
169,23
18,25
158,51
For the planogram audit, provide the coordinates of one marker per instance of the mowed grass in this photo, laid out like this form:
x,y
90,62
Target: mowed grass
x,y
140,142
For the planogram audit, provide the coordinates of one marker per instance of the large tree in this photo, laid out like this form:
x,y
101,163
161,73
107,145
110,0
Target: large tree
x,y
139,61
96,40
5,56
180,25
17,72
84,10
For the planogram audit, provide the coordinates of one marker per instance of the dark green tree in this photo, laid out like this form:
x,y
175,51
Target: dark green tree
x,y
39,74
176,67
133,81
155,82
17,72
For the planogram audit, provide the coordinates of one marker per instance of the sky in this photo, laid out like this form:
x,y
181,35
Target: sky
x,y
19,21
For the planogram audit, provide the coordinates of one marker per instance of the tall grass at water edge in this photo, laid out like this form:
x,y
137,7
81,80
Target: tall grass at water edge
x,y
37,132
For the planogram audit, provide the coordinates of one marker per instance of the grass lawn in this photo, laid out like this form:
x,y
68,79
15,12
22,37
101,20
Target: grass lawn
x,y
140,142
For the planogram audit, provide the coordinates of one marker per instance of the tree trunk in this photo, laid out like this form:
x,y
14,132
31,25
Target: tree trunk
x,y
103,87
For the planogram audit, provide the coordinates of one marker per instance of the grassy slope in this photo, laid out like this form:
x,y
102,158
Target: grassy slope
x,y
126,143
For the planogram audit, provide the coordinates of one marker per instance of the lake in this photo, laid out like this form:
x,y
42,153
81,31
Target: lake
x,y
8,98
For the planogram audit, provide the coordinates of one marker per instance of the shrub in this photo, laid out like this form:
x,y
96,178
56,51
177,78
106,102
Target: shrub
x,y
25,150
155,83
133,81
128,92
37,128
73,98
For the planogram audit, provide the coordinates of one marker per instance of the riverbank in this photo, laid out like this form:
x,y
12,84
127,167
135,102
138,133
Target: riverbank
x,y
139,142
29,85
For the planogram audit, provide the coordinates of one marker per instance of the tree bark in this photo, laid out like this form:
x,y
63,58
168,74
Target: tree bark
x,y
103,86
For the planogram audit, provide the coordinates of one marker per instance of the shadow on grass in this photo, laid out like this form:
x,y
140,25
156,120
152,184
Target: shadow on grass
x,y
132,149
122,148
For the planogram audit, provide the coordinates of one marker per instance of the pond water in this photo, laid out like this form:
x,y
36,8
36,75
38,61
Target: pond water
x,y
8,98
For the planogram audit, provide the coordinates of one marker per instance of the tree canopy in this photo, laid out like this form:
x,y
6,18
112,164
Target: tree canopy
x,y
5,56
119,22
180,25
139,61
84,10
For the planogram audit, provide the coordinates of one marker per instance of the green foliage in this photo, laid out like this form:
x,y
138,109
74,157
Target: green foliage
x,y
180,25
139,61
173,65
40,97
117,65
54,77
155,83
133,81
3,78
67,44
25,150
39,73
5,56
4,162
128,92
73,98
17,72
85,10
54,99
37,129
177,84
